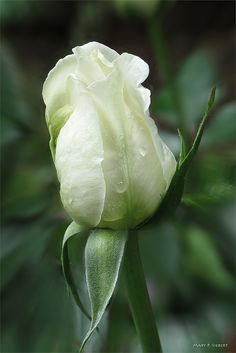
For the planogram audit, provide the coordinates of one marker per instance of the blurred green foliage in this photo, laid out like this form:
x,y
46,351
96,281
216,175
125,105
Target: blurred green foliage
x,y
13,11
189,261
137,7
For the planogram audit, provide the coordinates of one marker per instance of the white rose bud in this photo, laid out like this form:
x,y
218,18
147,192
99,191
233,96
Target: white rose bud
x,y
113,167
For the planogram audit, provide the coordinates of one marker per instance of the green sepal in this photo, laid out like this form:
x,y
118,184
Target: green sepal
x,y
182,153
55,124
174,193
103,255
184,165
74,229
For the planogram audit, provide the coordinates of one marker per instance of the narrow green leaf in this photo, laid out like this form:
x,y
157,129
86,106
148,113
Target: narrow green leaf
x,y
182,153
193,150
103,254
72,230
175,191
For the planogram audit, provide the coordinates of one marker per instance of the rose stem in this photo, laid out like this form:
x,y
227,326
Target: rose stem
x,y
138,297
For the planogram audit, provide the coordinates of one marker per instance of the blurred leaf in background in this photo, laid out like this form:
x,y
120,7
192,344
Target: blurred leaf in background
x,y
14,10
196,77
34,299
222,129
138,7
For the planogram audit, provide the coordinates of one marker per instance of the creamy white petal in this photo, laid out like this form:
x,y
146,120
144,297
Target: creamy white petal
x,y
134,71
148,182
55,87
133,172
133,68
166,157
94,62
107,98
87,49
138,97
79,154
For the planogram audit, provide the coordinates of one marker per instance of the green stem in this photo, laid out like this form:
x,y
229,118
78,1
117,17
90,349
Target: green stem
x,y
138,297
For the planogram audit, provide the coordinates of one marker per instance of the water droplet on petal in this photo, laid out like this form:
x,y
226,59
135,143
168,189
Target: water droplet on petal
x,y
121,187
142,151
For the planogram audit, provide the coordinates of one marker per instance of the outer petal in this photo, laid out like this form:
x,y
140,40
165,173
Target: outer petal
x,y
86,64
133,68
166,157
94,62
135,185
107,98
138,98
87,49
78,158
55,86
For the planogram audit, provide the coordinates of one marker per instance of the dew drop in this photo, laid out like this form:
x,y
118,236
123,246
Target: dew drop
x,y
142,152
120,186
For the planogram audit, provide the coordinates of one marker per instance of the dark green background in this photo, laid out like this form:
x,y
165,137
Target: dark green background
x,y
189,260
